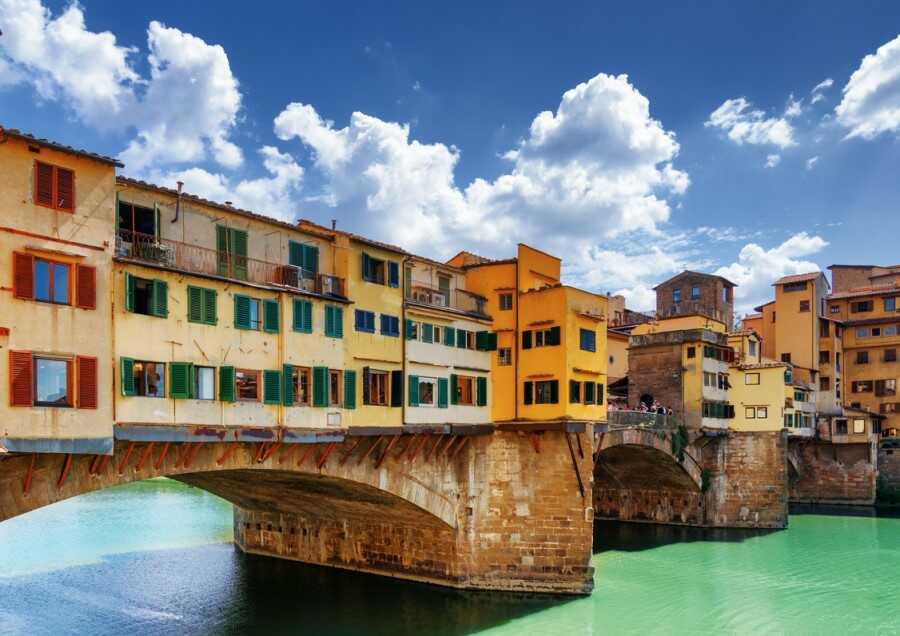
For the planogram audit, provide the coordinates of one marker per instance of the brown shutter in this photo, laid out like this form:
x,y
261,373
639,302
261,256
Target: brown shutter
x,y
43,184
20,378
87,382
85,287
65,189
23,275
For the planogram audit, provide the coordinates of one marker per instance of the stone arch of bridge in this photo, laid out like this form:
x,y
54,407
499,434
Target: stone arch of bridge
x,y
363,477
643,459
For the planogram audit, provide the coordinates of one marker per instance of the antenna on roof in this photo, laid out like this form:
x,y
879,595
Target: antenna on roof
x,y
333,224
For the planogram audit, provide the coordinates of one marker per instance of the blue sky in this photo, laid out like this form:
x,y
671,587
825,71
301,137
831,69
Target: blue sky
x,y
632,141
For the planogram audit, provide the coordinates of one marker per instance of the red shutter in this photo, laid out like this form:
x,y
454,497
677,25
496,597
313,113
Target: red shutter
x,y
87,382
65,189
23,275
43,184
85,287
20,378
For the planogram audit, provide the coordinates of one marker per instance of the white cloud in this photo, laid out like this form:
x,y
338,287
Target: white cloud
x,y
817,93
184,112
794,108
772,160
811,162
871,99
599,166
274,195
742,124
757,268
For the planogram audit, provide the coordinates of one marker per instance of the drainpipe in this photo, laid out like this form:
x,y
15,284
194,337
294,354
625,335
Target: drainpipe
x,y
178,201
403,367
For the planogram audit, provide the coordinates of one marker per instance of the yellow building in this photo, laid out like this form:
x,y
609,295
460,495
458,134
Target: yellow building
x,y
56,252
551,357
758,387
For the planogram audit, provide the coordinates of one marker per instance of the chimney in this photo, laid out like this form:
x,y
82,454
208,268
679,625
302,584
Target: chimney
x,y
333,224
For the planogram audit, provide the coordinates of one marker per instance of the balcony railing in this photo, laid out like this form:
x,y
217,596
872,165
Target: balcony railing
x,y
691,307
458,299
201,260
640,419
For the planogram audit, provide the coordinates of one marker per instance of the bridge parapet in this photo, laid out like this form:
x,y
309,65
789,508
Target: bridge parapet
x,y
642,419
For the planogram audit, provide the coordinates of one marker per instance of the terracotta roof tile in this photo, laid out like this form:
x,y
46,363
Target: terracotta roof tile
x,y
55,145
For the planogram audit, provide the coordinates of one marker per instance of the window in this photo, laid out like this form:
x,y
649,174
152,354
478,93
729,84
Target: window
x,y
676,295
792,287
588,340
546,392
248,312
824,357
859,425
751,378
885,388
574,392
412,330
201,305
825,383
773,316
751,347
804,305
204,383
231,252
506,302
876,331
762,412
334,321
374,270
427,332
465,390
709,379
51,281
148,297
862,332
750,412
723,381
52,385
377,387
840,427
301,379
542,337
799,396
304,256
695,292
54,187
334,387
861,386
691,352
504,357
861,306
149,379
390,326
589,393
890,304
427,392
890,330
862,357
246,383
786,357
835,309
788,376
136,224
365,321
437,334
890,355
789,420
303,316
890,407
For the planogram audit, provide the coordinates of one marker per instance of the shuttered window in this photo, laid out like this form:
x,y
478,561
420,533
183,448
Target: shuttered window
x,y
271,316
201,305
231,252
271,387
85,287
454,389
450,336
179,380
246,312
599,394
393,274
54,187
390,325
486,341
86,368
226,384
320,386
126,376
588,340
304,256
397,388
413,390
481,391
23,275
287,384
334,321
364,320
349,389
526,340
528,393
443,391
21,379
427,332
145,296
302,316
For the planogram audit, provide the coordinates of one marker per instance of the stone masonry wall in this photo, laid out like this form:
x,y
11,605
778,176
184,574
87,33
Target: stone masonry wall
x,y
889,472
655,371
832,473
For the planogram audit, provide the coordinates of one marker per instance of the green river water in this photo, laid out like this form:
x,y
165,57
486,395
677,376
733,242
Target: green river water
x,y
156,558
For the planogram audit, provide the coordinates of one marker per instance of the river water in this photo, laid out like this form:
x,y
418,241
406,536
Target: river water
x,y
156,558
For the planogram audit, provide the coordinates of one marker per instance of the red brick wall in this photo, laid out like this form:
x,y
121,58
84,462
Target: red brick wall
x,y
832,473
656,371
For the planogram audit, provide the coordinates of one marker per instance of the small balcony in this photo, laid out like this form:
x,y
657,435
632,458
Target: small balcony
x,y
195,259
458,299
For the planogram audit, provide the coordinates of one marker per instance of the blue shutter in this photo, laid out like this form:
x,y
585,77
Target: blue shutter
x,y
393,274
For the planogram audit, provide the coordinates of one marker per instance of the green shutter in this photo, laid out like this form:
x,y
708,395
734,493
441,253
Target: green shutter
x,y
461,338
127,371
180,380
307,317
599,394
160,298
310,258
222,250
270,316
481,391
427,332
450,336
195,304
129,292
413,390
410,330
320,386
226,384
339,322
443,390
526,340
156,229
241,312
528,393
297,319
209,307
295,254
287,378
334,321
238,239
349,389
271,386
454,391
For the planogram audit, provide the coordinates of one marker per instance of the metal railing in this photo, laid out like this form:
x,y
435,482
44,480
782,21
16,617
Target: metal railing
x,y
641,419
459,299
690,307
202,260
